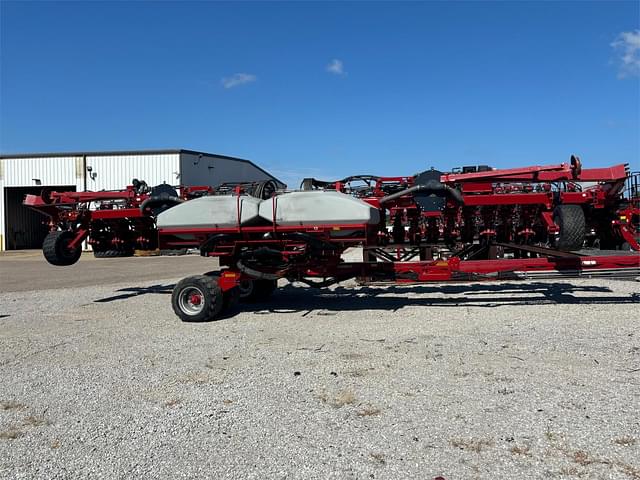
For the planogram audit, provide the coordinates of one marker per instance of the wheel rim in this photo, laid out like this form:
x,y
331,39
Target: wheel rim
x,y
245,287
191,300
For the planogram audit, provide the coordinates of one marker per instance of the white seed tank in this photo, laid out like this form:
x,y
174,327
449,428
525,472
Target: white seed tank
x,y
211,212
318,208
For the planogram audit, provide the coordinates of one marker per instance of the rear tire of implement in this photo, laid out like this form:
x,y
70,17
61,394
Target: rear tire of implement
x,y
211,299
570,219
230,299
56,251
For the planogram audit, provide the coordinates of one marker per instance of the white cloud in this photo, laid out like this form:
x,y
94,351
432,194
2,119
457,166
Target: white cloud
x,y
627,46
238,79
336,67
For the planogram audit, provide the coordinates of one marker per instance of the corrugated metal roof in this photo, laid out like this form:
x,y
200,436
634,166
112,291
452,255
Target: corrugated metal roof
x,y
114,152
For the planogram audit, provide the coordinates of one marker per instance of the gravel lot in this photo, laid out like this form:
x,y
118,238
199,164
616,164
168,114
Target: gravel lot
x,y
509,380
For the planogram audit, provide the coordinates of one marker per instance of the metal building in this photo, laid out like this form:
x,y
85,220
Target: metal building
x,y
22,174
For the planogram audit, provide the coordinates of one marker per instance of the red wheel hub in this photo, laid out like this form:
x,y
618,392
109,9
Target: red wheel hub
x,y
195,299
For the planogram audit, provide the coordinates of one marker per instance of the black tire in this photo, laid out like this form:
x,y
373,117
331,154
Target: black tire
x,y
256,290
570,219
56,248
112,253
197,299
230,299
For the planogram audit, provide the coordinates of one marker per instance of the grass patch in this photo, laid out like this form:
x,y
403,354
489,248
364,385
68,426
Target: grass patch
x,y
549,435
10,434
33,421
369,411
11,405
582,458
351,356
378,458
195,378
524,450
625,441
630,470
345,397
569,471
471,444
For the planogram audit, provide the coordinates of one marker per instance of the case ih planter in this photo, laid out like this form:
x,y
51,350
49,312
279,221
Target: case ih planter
x,y
476,224
115,223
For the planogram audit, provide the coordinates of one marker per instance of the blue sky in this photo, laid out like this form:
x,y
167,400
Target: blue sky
x,y
326,89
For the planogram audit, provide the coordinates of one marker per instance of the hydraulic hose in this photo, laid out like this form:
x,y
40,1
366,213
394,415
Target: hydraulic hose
x,y
255,273
432,186
161,200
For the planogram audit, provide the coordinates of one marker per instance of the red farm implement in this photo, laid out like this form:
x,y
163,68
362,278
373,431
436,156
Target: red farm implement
x,y
469,225
115,223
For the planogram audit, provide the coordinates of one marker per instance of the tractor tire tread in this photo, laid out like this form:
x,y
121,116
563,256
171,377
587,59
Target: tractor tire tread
x,y
53,249
570,219
213,298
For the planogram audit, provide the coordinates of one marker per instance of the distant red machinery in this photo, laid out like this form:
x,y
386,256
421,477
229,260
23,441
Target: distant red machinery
x,y
115,223
476,224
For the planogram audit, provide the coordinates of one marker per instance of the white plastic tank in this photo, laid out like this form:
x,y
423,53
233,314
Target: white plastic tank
x,y
318,208
211,212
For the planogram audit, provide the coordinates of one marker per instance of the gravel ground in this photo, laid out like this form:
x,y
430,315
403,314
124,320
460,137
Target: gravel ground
x,y
510,380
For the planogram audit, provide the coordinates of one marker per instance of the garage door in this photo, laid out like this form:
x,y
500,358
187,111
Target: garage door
x,y
25,228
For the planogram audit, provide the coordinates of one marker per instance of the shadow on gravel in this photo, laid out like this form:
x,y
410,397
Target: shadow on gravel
x,y
292,299
135,291
390,298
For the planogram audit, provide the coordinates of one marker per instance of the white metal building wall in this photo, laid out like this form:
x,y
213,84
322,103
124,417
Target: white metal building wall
x,y
114,172
23,172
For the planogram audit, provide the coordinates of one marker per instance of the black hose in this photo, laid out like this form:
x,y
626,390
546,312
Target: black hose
x,y
265,190
432,186
162,200
210,242
255,273
314,242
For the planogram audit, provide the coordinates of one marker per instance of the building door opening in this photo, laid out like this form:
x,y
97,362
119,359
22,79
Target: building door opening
x,y
25,228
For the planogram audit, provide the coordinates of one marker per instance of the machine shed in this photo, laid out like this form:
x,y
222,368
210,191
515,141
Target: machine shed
x,y
24,174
